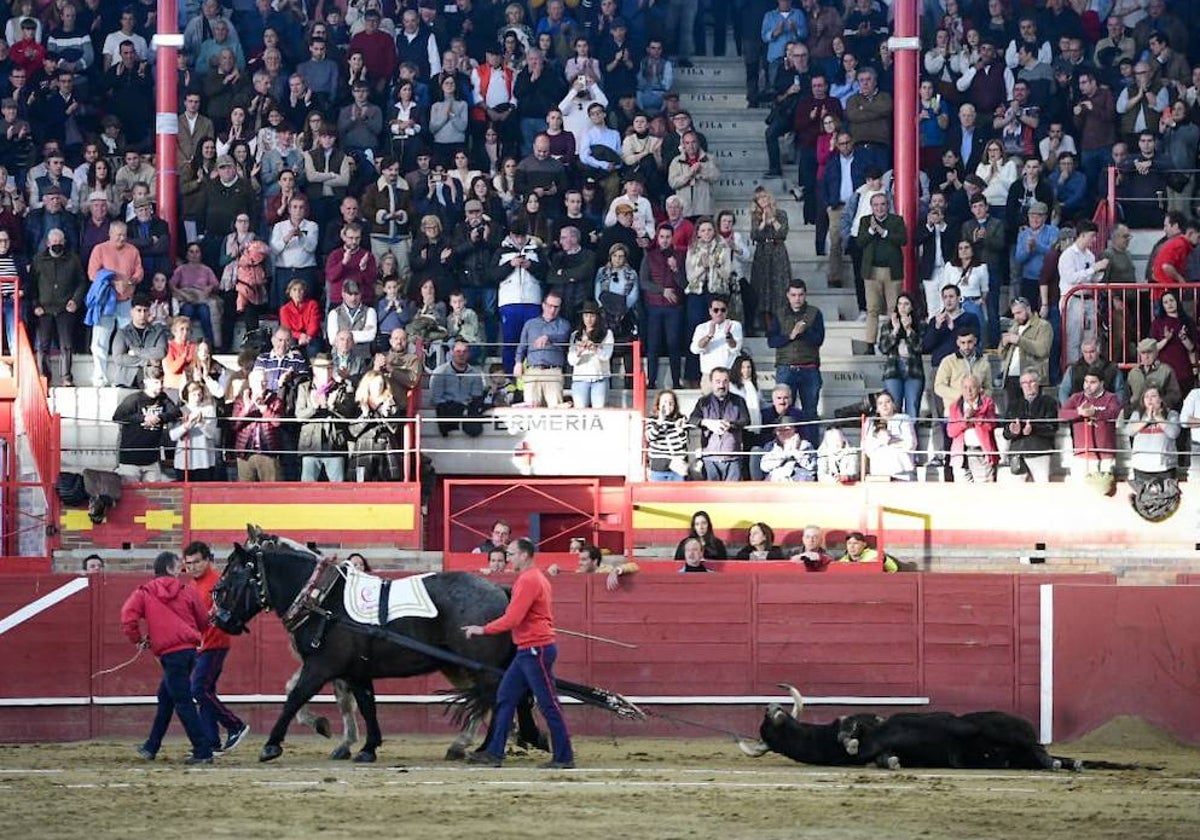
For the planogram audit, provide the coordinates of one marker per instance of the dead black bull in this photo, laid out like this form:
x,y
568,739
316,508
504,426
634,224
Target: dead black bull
x,y
823,744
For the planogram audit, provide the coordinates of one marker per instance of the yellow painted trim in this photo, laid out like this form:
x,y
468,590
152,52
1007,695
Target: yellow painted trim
x,y
300,517
160,520
75,520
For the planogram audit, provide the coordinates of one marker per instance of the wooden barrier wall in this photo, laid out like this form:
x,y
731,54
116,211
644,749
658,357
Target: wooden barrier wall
x,y
968,642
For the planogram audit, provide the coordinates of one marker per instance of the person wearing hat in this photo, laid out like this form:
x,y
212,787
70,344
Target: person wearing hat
x,y
626,234
320,400
149,234
589,354
284,155
631,195
1151,372
1034,241
226,196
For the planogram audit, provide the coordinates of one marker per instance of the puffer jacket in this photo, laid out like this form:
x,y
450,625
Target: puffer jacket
x,y
172,612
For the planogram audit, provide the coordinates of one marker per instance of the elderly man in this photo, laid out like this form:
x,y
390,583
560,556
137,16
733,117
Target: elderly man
x,y
789,457
722,417
282,362
1034,242
880,236
692,175
971,427
1152,373
541,354
353,315
1031,429
257,441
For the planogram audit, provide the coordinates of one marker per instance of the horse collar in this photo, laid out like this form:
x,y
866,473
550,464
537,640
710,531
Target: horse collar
x,y
312,595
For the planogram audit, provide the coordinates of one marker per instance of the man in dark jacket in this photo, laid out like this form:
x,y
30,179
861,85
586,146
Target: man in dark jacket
x,y
144,417
225,197
174,620
56,297
722,417
1031,429
881,235
138,342
323,444
475,241
148,233
572,273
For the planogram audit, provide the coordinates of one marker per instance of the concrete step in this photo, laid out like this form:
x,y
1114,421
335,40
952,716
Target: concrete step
x,y
716,77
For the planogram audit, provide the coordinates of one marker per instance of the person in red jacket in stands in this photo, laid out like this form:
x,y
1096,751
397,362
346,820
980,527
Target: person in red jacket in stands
x,y
173,618
302,318
210,661
530,617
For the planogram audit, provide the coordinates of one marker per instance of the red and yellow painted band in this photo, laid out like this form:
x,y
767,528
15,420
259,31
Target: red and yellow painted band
x,y
299,516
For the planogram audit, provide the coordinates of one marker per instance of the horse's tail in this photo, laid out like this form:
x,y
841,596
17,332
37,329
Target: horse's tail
x,y
474,701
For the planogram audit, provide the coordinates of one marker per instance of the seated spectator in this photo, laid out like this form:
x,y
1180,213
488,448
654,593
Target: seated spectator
x,y
889,440
591,348
812,554
462,322
498,537
857,551
143,417
667,440
722,418
1176,335
322,402
971,427
1151,372
1093,412
391,310
501,390
456,391
181,352
301,317
355,316
701,530
1153,429
197,437
402,367
1090,360
281,363
1031,429
428,323
374,434
591,561
138,342
692,554
257,438
837,459
193,285
760,544
789,457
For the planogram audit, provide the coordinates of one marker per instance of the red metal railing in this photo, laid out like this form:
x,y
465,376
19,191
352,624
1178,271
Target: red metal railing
x,y
1122,315
40,426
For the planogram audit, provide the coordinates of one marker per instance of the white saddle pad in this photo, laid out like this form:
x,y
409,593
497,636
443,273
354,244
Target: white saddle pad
x,y
407,597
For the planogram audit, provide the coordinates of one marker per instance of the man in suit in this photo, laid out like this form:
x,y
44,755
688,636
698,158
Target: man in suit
x,y
194,127
935,244
881,236
969,137
845,172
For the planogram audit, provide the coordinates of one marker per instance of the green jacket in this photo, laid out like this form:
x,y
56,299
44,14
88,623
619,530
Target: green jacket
x,y
883,249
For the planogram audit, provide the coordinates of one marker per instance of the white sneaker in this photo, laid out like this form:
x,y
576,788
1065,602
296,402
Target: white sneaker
x,y
862,317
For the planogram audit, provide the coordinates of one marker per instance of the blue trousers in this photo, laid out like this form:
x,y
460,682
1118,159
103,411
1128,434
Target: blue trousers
x,y
532,669
200,312
483,301
175,697
806,392
512,320
664,327
208,668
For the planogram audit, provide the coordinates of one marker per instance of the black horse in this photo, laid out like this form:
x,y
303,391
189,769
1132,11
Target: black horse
x,y
268,573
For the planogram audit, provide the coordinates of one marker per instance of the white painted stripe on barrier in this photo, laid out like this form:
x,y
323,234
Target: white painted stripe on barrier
x,y
1046,640
42,604
428,699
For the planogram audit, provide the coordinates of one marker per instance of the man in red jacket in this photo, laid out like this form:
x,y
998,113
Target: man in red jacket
x,y
210,661
530,617
173,620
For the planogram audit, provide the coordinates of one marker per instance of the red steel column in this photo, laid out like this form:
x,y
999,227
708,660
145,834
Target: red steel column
x,y
905,164
167,42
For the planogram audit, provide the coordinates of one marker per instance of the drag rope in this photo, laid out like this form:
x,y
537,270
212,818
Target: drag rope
x,y
124,664
686,722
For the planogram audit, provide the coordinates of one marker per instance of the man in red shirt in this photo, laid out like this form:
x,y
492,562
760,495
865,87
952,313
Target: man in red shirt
x,y
214,647
530,617
173,618
1170,260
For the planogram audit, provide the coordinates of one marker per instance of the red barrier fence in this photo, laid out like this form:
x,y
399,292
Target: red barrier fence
x,y
715,644
41,430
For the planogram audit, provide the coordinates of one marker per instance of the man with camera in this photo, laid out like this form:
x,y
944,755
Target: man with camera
x,y
323,402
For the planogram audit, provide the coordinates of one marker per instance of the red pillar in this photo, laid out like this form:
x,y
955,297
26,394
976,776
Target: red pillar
x,y
166,119
906,47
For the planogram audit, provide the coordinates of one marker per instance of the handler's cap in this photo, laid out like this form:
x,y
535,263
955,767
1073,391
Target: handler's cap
x,y
1147,345
1038,207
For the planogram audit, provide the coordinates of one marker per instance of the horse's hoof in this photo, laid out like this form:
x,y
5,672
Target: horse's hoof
x,y
270,752
893,763
456,754
340,754
321,724
364,757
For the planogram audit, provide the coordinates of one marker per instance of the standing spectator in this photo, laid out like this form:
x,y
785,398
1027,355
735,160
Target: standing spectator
x,y
456,391
351,263
708,267
541,354
1025,347
323,403
971,427
374,436
792,83
900,339
56,295
662,285
387,206
1034,242
1077,265
135,344
796,334
869,116
257,441
327,173
1093,412
844,174
1096,118
210,660
655,77
808,125
718,341
196,436
781,26
591,348
692,175
353,315
986,234
667,440
518,272
174,620
1031,429
880,236
722,417
143,417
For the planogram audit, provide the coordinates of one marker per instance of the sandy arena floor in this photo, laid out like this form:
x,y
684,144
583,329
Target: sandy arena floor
x,y
636,788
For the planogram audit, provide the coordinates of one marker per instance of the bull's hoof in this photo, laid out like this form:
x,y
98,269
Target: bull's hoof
x,y
270,752
342,753
1055,764
364,757
321,724
1075,765
852,747
893,763
456,753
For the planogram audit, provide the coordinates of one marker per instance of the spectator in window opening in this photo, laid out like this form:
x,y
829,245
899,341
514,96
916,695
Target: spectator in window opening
x,y
701,530
498,537
889,440
691,552
143,417
760,544
857,551
93,564
812,554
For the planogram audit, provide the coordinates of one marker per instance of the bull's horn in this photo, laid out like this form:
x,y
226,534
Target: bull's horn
x,y
797,699
752,747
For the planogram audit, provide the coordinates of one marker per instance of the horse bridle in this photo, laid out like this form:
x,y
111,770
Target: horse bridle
x,y
251,575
